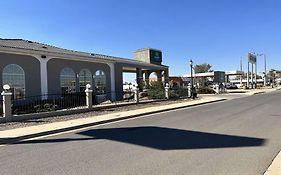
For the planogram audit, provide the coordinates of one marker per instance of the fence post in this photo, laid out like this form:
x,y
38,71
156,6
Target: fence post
x,y
137,95
89,96
167,91
189,90
7,105
217,89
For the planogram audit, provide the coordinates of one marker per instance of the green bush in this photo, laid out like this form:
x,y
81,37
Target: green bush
x,y
206,90
178,92
156,90
182,92
173,94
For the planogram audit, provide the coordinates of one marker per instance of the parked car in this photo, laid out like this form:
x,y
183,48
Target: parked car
x,y
231,86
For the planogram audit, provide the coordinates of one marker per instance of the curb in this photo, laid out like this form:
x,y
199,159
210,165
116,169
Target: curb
x,y
275,166
25,117
262,92
16,139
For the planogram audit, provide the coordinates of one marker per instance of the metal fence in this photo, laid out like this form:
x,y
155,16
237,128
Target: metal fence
x,y
48,102
121,96
1,107
54,102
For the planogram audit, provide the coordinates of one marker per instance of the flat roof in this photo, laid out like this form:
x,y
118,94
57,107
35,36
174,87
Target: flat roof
x,y
211,74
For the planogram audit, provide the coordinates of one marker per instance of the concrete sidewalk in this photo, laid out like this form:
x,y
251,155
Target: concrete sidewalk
x,y
13,135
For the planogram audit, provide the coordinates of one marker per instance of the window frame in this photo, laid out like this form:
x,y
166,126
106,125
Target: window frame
x,y
100,82
87,78
19,91
66,85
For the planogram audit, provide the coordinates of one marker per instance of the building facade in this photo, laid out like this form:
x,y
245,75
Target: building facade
x,y
33,68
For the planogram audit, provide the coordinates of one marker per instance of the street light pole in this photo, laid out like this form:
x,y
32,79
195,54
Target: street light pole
x,y
191,78
265,76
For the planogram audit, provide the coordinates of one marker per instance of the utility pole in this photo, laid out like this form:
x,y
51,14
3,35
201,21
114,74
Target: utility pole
x,y
191,78
256,67
241,69
248,74
252,76
265,75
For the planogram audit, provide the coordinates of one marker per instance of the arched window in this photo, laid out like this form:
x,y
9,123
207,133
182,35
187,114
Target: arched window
x,y
67,80
100,82
13,75
85,77
153,77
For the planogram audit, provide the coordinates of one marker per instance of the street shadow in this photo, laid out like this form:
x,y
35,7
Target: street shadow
x,y
275,115
34,121
161,138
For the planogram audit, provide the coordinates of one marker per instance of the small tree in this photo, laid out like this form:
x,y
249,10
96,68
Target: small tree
x,y
272,74
202,68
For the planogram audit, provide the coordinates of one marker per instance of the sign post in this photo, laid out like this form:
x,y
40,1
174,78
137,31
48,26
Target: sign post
x,y
253,60
219,78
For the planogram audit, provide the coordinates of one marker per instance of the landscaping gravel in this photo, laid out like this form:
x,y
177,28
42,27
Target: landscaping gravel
x,y
13,125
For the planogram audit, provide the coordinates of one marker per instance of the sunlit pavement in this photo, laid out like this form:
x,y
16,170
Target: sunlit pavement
x,y
239,136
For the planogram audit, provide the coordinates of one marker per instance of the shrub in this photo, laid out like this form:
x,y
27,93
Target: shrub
x,y
156,90
178,92
206,90
182,92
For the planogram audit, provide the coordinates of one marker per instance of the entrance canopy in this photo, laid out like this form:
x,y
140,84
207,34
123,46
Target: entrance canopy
x,y
211,74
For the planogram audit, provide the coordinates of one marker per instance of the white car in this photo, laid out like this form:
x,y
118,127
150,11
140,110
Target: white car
x,y
230,86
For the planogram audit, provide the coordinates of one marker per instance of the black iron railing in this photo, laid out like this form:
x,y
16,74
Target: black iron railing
x,y
121,96
1,107
48,102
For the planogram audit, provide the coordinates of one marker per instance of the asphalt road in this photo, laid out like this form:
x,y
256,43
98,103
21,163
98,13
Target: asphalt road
x,y
240,136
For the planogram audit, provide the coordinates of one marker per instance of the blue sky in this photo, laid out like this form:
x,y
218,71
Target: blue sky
x,y
217,32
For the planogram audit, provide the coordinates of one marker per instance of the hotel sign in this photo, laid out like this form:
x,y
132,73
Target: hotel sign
x,y
219,77
155,56
252,58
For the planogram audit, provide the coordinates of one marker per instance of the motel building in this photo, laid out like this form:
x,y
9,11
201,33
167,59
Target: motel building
x,y
34,69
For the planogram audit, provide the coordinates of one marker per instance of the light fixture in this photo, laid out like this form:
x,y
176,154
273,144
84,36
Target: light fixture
x,y
88,86
6,87
190,62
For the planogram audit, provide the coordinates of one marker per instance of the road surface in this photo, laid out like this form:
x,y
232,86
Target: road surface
x,y
240,136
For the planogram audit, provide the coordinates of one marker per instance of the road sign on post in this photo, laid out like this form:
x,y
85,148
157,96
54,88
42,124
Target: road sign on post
x,y
219,77
252,58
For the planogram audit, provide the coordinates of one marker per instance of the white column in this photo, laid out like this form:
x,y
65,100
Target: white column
x,y
167,91
112,80
89,96
137,95
44,75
